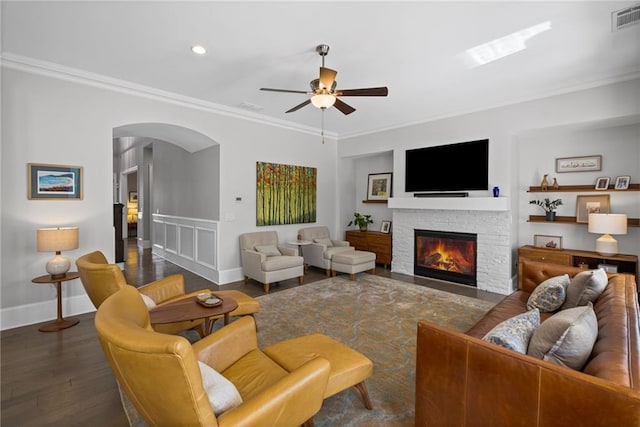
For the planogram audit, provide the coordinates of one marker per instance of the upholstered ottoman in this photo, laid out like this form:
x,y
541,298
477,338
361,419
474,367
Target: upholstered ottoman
x,y
348,367
353,262
246,304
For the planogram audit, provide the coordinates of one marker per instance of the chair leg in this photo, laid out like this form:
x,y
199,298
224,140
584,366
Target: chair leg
x,y
328,272
362,388
246,280
266,287
352,276
301,279
373,271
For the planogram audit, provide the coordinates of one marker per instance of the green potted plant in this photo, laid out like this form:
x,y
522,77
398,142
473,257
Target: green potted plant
x,y
361,221
549,207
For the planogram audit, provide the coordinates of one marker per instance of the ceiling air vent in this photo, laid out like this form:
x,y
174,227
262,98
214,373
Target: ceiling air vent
x,y
623,18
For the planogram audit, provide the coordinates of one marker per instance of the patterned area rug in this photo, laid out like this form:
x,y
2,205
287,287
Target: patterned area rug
x,y
376,316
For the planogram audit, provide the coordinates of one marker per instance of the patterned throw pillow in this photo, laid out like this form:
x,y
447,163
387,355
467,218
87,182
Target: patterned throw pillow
x,y
268,250
222,394
566,338
585,287
549,295
327,242
515,333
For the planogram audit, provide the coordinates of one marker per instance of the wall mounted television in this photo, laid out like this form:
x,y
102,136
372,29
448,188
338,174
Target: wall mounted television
x,y
453,167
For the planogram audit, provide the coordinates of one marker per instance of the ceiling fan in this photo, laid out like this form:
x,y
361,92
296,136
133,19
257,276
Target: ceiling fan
x,y
324,94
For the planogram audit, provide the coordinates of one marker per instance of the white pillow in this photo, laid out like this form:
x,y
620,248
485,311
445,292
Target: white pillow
x,y
148,301
222,394
585,287
268,250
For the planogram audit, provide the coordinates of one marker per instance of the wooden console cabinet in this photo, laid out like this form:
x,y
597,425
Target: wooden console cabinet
x,y
372,241
577,258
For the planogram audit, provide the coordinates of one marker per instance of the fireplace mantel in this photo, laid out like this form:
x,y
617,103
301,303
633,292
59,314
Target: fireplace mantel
x,y
495,204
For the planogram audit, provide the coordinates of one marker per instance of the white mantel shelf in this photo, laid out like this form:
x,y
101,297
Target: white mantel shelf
x,y
451,203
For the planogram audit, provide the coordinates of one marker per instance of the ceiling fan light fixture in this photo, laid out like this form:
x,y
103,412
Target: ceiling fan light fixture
x,y
323,100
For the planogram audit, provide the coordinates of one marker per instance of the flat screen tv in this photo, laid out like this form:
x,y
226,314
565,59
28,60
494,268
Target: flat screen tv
x,y
453,167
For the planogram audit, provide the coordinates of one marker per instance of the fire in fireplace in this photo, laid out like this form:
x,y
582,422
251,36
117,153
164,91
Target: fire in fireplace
x,y
445,255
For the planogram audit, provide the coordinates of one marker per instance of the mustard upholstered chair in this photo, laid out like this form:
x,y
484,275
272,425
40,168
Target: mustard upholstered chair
x,y
169,381
265,261
101,279
322,248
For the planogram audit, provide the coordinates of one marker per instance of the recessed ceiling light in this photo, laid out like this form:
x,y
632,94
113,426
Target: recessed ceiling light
x,y
200,50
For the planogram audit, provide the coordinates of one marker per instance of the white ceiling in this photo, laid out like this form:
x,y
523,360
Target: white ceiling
x,y
413,48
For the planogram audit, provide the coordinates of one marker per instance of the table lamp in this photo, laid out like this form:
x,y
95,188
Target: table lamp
x,y
57,240
607,224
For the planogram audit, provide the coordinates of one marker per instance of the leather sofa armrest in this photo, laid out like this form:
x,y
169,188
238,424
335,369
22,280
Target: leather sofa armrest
x,y
297,397
284,250
340,242
164,289
226,345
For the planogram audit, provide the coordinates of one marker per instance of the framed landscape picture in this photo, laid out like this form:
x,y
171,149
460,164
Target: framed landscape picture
x,y
379,186
591,204
549,242
579,164
54,182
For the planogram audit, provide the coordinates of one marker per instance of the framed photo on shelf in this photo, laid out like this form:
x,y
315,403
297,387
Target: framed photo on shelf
x,y
622,182
549,242
379,186
591,204
385,227
133,197
602,183
579,164
49,182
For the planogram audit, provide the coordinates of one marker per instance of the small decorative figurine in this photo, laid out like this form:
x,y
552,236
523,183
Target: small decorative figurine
x,y
555,184
544,185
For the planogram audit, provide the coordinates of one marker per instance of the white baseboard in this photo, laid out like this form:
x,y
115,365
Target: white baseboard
x,y
229,276
29,314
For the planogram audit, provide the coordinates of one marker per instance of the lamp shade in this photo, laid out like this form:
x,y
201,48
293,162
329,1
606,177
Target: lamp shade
x,y
323,100
57,239
608,223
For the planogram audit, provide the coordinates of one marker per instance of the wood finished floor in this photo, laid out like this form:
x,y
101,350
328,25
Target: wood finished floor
x,y
63,379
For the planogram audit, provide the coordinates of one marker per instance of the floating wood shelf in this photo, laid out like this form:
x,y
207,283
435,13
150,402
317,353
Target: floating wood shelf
x,y
580,188
631,222
375,201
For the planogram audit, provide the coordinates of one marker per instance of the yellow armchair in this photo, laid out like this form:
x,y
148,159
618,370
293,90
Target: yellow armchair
x,y
161,376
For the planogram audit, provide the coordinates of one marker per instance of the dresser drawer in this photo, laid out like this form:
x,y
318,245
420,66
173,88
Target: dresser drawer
x,y
541,255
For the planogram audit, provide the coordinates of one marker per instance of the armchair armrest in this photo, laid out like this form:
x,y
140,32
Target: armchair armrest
x,y
340,242
295,398
252,262
284,250
226,345
164,289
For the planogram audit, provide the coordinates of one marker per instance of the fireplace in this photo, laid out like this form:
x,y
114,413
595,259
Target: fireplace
x,y
445,255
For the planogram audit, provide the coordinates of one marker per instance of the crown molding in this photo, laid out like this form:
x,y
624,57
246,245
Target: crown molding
x,y
86,78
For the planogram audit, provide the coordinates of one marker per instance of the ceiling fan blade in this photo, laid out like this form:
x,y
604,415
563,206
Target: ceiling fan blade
x,y
344,107
371,91
282,90
327,77
299,106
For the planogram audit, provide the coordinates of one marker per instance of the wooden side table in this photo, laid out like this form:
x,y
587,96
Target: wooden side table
x,y
60,322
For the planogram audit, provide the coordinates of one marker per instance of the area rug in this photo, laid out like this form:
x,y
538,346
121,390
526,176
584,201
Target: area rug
x,y
376,316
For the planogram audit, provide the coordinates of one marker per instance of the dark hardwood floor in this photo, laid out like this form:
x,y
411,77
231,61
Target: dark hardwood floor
x,y
63,379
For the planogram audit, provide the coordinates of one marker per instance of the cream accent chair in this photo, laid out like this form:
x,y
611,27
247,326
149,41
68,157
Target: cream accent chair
x,y
319,253
101,280
161,375
267,266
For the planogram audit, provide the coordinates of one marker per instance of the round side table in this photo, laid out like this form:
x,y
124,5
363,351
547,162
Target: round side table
x,y
60,322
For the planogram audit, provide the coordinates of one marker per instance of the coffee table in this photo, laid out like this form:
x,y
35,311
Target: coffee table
x,y
189,309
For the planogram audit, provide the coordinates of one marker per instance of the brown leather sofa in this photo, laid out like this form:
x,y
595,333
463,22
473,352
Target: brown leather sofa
x,y
464,381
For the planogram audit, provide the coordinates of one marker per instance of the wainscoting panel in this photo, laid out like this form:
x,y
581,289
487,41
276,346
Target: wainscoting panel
x,y
191,243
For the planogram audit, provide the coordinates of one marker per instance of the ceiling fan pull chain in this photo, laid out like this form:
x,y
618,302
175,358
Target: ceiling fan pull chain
x,y
322,126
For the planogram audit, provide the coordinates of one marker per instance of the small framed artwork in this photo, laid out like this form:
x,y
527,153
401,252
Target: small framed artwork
x,y
622,182
549,242
602,183
133,197
579,164
51,182
385,227
379,186
591,204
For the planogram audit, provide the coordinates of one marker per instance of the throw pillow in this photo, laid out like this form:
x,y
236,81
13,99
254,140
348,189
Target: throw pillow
x,y
585,287
515,333
566,338
148,301
222,394
549,295
268,250
327,242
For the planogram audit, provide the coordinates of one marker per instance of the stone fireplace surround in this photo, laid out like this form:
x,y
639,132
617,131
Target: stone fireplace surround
x,y
486,217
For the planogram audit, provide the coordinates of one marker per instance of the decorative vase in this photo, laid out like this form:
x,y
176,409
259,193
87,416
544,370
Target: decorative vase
x,y
551,216
496,191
